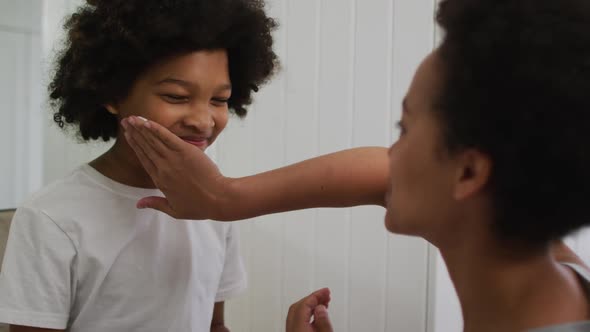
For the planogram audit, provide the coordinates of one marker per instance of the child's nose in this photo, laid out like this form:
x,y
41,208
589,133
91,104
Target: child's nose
x,y
200,117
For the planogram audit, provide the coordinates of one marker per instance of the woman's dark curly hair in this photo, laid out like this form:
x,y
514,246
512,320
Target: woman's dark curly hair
x,y
112,42
517,87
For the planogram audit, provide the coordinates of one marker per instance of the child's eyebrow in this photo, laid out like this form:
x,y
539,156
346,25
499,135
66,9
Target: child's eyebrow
x,y
187,84
172,80
224,87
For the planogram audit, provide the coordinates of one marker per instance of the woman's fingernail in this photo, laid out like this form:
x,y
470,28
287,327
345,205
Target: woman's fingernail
x,y
124,124
142,118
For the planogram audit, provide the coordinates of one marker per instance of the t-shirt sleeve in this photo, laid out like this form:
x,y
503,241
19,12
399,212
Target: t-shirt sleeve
x,y
36,283
233,278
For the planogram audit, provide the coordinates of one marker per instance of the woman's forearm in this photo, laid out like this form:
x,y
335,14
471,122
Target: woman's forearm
x,y
346,178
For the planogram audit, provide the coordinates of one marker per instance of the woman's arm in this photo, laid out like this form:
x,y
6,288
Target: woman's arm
x,y
346,178
195,189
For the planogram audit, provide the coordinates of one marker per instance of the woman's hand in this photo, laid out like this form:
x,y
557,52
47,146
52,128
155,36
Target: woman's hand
x,y
313,306
193,186
195,189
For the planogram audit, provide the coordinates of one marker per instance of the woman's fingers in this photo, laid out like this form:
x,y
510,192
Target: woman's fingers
x,y
155,133
145,160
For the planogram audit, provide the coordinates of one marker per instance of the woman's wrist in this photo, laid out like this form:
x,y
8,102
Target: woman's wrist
x,y
230,203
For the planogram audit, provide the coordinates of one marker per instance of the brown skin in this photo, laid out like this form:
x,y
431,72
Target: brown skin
x,y
218,321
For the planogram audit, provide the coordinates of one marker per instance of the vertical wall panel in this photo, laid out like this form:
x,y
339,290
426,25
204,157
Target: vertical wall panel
x,y
33,127
335,106
20,135
368,251
262,243
63,150
301,142
10,87
20,15
20,83
238,163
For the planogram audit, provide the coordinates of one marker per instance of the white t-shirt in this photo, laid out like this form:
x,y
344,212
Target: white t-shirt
x,y
81,257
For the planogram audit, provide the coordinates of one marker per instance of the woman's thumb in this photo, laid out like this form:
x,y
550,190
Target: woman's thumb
x,y
321,319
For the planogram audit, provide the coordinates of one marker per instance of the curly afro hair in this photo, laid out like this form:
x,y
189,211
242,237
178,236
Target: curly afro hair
x,y
516,86
112,42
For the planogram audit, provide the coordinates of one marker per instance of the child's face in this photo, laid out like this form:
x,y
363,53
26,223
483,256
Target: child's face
x,y
187,94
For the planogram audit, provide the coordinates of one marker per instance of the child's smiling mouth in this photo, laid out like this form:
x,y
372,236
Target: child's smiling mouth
x,y
200,142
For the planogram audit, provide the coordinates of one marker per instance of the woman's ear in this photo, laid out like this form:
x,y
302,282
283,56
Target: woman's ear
x,y
111,109
474,172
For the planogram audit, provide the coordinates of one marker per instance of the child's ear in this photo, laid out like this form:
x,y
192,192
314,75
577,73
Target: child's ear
x,y
111,109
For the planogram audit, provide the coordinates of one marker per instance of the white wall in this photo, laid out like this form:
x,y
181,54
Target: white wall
x,y
63,150
20,101
33,150
346,66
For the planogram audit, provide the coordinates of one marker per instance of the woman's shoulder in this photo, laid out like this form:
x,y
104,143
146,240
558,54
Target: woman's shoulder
x,y
573,327
583,274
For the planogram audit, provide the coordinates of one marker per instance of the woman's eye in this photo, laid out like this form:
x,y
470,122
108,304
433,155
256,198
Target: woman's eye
x,y
401,127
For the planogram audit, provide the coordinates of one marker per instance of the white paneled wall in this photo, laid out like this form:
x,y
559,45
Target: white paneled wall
x,y
346,66
20,100
63,151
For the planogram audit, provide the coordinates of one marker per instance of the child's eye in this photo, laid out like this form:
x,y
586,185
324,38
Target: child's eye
x,y
175,99
220,101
